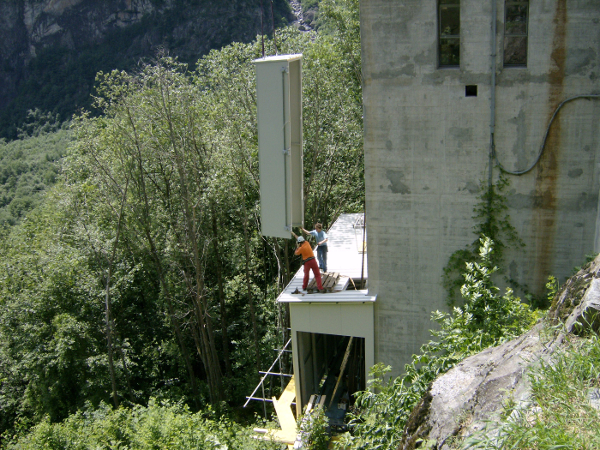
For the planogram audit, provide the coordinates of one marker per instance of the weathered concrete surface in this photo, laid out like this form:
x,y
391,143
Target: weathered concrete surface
x,y
460,401
427,149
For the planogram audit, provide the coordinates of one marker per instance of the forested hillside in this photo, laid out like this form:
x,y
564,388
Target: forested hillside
x,y
137,295
30,165
51,52
142,279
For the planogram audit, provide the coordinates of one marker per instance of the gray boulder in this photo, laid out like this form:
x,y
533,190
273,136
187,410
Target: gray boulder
x,y
461,401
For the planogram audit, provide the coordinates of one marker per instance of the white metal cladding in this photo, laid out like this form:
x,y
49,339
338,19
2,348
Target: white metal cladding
x,y
279,110
342,312
345,256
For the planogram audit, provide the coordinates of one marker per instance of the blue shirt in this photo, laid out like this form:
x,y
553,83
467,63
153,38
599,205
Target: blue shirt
x,y
320,236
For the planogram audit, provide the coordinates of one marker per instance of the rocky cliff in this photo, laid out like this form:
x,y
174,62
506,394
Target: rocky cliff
x,y
44,43
461,401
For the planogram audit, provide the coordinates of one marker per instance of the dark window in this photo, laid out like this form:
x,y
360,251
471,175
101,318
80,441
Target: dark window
x,y
471,90
515,32
449,33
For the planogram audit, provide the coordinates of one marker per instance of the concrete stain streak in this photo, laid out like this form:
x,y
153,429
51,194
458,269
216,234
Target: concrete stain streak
x,y
397,186
545,213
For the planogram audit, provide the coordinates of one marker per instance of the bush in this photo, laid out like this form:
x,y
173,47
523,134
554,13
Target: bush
x,y
159,426
485,320
314,430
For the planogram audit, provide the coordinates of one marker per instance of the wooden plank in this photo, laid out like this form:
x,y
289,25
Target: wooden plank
x,y
278,436
322,401
342,284
330,283
288,396
286,418
342,369
287,421
311,401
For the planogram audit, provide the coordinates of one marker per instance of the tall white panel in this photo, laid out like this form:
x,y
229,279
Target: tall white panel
x,y
279,109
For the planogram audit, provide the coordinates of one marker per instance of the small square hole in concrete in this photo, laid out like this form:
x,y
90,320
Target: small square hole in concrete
x,y
471,90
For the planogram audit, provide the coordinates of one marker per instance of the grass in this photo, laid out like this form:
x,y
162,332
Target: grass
x,y
560,414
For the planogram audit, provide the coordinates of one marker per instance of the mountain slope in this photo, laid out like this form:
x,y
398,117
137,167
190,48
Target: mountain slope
x,y
51,50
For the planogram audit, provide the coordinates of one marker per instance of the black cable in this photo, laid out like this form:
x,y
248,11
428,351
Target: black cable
x,y
273,21
521,172
262,33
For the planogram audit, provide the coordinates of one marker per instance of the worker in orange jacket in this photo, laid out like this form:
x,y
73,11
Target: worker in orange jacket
x,y
308,260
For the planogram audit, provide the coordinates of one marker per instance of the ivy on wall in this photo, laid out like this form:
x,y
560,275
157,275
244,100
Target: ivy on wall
x,y
491,221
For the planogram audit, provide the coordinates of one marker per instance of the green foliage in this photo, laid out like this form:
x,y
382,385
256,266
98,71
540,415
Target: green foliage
x,y
486,319
491,220
52,349
333,127
157,213
559,413
29,166
342,20
160,425
314,430
551,289
39,123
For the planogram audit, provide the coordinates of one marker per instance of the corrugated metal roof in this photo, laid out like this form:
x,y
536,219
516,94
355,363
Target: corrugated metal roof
x,y
345,256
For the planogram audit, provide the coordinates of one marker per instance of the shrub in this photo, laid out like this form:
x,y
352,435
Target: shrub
x,y
314,430
158,426
486,319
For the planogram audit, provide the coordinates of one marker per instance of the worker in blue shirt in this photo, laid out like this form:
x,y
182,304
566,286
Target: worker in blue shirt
x,y
321,237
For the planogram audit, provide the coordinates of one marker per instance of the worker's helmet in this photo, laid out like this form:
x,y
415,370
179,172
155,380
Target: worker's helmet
x,y
300,239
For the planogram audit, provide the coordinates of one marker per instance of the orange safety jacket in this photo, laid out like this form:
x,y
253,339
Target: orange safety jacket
x,y
305,250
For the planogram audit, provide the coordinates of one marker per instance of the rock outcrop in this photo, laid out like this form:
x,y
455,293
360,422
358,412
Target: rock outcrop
x,y
28,26
460,401
65,30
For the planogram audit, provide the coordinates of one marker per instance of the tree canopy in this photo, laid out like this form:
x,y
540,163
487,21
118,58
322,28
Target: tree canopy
x,y
143,272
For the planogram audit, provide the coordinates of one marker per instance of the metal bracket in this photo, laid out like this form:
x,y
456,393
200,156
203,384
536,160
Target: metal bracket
x,y
285,69
288,228
286,151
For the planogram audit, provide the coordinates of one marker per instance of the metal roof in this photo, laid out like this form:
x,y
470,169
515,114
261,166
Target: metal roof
x,y
346,240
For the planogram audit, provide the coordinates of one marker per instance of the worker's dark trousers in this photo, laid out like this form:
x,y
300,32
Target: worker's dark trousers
x,y
309,265
322,257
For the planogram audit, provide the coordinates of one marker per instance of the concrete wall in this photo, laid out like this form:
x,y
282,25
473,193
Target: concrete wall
x,y
427,147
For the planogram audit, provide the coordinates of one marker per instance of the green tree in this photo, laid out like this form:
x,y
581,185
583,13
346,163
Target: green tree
x,y
144,273
150,129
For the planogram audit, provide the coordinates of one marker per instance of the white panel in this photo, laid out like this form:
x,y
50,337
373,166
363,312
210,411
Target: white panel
x,y
344,319
278,87
296,144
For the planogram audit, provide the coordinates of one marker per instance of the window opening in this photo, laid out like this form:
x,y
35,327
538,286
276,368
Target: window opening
x,y
449,33
515,32
332,366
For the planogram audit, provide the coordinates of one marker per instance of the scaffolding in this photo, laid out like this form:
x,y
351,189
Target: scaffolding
x,y
270,372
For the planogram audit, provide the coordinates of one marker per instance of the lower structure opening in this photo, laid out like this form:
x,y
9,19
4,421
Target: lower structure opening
x,y
332,366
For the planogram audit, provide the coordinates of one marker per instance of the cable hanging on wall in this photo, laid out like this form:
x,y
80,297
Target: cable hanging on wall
x,y
541,151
